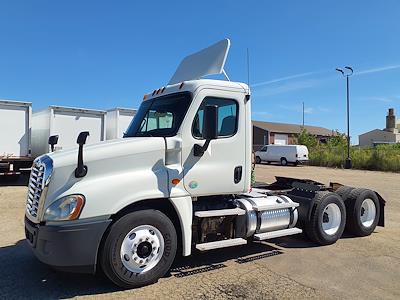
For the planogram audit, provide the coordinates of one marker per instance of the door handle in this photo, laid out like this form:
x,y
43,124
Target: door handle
x,y
237,174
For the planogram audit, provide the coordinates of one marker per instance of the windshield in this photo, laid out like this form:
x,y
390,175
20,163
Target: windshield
x,y
160,117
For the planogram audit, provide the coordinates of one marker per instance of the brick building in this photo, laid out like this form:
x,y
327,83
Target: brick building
x,y
283,134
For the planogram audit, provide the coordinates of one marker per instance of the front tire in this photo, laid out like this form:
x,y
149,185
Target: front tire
x,y
258,160
284,161
139,248
328,219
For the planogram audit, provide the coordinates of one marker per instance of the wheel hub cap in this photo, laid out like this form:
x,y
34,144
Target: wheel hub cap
x,y
331,219
142,249
367,212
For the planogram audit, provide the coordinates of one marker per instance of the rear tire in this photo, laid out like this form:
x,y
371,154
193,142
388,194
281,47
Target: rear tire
x,y
258,160
139,248
328,219
344,192
363,211
283,161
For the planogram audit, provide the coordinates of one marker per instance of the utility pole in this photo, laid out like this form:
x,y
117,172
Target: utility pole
x,y
348,163
303,114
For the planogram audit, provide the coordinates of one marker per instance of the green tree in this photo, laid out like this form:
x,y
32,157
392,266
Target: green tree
x,y
337,140
307,139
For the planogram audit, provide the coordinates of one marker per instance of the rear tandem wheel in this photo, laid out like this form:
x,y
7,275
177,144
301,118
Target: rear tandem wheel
x,y
327,220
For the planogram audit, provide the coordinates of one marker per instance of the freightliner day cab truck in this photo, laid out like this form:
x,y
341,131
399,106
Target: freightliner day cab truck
x,y
178,182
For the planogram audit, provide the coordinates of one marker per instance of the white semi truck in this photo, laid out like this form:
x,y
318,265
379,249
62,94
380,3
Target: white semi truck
x,y
179,182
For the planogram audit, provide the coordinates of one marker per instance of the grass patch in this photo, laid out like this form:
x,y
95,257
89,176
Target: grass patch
x,y
334,152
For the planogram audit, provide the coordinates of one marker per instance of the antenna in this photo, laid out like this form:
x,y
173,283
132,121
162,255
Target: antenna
x,y
248,68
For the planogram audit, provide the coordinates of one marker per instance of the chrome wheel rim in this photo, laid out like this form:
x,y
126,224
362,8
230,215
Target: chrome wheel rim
x,y
142,249
367,212
331,219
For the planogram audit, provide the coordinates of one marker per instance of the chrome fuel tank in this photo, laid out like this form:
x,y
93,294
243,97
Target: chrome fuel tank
x,y
269,213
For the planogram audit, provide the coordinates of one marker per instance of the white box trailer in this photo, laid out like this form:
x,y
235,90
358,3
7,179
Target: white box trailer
x,y
118,120
67,123
15,136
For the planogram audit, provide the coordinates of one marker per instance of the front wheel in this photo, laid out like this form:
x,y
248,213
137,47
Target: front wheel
x,y
284,161
139,249
258,160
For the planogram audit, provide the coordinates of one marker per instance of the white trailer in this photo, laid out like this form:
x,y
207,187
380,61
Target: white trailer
x,y
118,120
15,136
67,123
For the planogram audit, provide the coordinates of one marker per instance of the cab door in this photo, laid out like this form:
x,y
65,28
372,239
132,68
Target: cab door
x,y
220,170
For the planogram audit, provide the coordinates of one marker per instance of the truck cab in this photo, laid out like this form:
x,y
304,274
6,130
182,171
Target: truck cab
x,y
179,181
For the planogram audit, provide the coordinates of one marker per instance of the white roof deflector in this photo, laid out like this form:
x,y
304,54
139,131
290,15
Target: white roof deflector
x,y
208,61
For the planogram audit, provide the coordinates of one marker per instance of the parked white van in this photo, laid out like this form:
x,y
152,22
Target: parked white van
x,y
284,154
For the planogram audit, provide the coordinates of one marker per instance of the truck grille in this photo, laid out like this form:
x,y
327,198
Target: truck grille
x,y
35,189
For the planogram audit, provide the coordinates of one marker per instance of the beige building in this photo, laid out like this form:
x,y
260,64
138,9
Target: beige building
x,y
389,135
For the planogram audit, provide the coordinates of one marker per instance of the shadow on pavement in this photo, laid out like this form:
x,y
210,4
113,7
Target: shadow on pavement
x,y
219,256
23,276
294,241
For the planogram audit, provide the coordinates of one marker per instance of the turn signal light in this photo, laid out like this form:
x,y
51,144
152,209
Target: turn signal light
x,y
175,181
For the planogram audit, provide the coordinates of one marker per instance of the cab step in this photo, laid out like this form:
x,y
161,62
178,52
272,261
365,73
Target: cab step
x,y
221,244
220,212
275,234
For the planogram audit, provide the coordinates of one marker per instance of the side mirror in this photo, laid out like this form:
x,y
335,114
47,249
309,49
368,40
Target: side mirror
x,y
53,140
81,169
210,129
82,137
210,122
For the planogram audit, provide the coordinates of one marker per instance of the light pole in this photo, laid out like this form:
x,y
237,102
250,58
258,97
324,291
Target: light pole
x,y
347,74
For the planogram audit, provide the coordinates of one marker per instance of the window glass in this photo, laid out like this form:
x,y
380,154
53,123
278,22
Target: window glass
x,y
156,120
160,116
227,117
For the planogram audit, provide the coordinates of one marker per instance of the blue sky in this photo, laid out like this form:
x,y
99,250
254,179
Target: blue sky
x,y
102,54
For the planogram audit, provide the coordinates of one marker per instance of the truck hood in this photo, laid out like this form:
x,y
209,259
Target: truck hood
x,y
107,150
117,169
105,159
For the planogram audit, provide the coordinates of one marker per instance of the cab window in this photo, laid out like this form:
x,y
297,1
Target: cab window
x,y
227,117
161,116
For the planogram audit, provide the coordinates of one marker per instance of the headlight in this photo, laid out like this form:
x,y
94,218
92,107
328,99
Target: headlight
x,y
66,208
